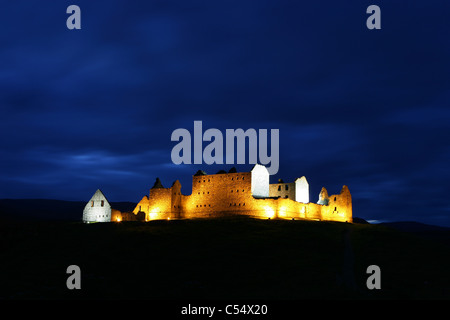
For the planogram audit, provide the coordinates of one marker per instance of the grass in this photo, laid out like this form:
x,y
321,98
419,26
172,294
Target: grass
x,y
230,258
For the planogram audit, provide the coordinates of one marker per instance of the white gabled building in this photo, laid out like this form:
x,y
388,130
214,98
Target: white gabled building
x,y
97,209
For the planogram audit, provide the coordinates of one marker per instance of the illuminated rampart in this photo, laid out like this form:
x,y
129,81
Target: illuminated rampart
x,y
243,193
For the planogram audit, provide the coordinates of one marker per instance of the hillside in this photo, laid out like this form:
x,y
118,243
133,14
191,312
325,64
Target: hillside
x,y
43,209
229,258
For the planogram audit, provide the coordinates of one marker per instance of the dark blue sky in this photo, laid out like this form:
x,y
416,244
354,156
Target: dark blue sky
x,y
95,108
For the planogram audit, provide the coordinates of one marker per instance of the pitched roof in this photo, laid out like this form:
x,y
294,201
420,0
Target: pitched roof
x,y
200,173
98,196
157,184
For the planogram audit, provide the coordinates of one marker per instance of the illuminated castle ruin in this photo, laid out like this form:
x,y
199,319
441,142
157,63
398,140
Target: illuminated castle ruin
x,y
241,193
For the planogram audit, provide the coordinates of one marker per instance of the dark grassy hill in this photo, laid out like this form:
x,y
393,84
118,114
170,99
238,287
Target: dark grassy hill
x,y
219,259
412,226
436,233
43,209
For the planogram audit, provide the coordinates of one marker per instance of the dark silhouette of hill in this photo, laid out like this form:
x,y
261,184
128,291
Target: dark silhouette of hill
x,y
435,233
359,220
221,258
46,209
232,258
412,226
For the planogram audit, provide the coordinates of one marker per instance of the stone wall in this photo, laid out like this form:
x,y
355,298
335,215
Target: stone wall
x,y
118,216
339,207
282,190
218,193
142,206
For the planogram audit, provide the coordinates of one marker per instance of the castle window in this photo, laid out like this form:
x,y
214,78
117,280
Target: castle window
x,y
232,178
103,203
197,205
242,190
208,192
334,198
231,190
208,180
279,188
243,204
199,193
199,181
287,187
209,205
203,180
335,209
237,190
92,203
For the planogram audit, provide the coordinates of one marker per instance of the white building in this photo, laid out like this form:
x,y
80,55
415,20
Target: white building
x,y
97,209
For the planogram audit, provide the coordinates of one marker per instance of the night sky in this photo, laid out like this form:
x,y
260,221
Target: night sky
x,y
96,107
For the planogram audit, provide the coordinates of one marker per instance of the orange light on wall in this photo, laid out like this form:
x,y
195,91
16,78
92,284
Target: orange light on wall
x,y
153,214
270,213
303,212
118,219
